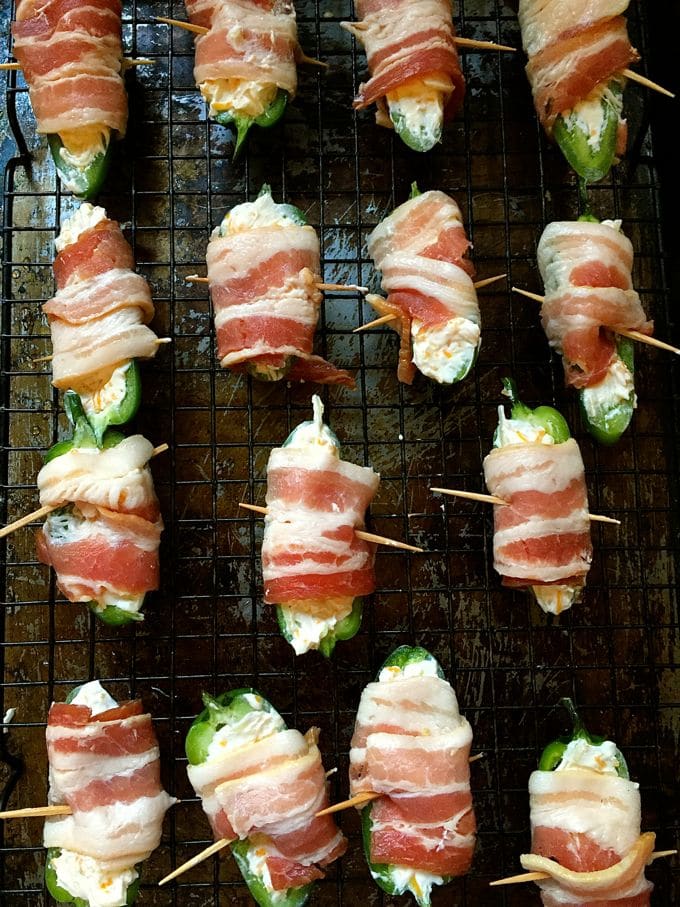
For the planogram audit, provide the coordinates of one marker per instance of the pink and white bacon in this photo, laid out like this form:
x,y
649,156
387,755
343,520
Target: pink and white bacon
x,y
107,769
542,534
411,744
600,814
574,46
272,786
248,40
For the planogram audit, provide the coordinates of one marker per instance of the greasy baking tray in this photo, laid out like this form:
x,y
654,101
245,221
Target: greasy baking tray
x,y
172,180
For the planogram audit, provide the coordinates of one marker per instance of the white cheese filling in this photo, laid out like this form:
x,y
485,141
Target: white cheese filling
x,y
306,631
253,726
248,99
83,218
95,697
616,387
418,883
263,212
600,758
444,351
83,878
589,114
108,394
425,668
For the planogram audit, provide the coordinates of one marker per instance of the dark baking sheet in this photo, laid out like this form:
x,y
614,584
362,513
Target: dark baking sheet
x,y
617,652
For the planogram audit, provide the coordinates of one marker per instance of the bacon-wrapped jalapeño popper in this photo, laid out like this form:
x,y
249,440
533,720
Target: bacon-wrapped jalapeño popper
x,y
102,538
104,765
586,269
261,785
315,569
416,80
542,532
585,824
99,319
578,51
246,64
421,249
71,55
412,746
263,270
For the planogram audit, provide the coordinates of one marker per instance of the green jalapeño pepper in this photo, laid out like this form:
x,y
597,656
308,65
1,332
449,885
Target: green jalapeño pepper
x,y
545,417
299,628
85,181
607,411
553,754
587,135
84,436
243,124
116,402
396,880
229,710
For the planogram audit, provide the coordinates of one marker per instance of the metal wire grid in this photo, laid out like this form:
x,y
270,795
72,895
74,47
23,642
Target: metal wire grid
x,y
206,628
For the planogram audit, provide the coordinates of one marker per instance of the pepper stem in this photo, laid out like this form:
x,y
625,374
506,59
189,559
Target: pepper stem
x,y
579,727
415,191
510,390
583,200
265,190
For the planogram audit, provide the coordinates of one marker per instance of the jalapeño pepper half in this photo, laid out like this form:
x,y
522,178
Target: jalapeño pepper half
x,y
276,367
116,402
84,436
396,880
545,417
608,415
553,754
587,135
84,182
243,124
223,711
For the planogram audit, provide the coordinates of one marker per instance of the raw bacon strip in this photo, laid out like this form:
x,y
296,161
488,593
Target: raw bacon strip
x,y
263,286
249,41
99,315
421,250
542,535
270,790
411,743
315,501
586,835
573,48
406,41
71,56
586,269
108,554
116,479
106,768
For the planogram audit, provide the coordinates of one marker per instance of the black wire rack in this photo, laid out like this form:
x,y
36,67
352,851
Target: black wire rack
x,y
171,182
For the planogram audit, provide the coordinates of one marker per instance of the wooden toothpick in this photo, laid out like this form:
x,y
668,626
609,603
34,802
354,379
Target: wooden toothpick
x,y
643,80
492,499
187,26
633,335
194,861
48,508
360,534
36,812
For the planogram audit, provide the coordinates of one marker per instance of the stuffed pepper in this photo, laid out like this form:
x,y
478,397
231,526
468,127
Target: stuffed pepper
x,y
71,56
412,746
415,76
263,271
586,269
585,824
99,318
578,52
261,785
315,569
246,64
102,538
105,765
421,249
542,533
